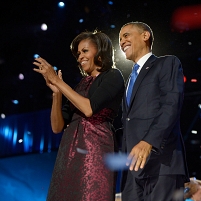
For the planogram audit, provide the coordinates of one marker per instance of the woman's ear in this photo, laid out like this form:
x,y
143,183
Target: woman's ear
x,y
99,58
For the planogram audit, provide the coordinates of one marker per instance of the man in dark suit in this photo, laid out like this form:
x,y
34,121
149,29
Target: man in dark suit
x,y
151,120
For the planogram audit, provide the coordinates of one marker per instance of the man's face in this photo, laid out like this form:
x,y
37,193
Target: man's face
x,y
132,42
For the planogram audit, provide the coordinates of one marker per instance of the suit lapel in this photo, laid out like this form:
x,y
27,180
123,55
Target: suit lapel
x,y
145,69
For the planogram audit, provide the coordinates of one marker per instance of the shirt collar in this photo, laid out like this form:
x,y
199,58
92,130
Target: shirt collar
x,y
142,60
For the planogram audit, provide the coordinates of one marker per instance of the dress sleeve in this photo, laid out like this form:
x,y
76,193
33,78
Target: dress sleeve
x,y
109,90
67,112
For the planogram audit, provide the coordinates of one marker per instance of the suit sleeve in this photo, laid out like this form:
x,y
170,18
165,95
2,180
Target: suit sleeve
x,y
110,88
171,86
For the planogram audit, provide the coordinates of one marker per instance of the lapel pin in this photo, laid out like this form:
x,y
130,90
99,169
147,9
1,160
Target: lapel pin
x,y
147,68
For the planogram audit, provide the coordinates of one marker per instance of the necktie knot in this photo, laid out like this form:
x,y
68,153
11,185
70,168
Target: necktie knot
x,y
133,77
135,67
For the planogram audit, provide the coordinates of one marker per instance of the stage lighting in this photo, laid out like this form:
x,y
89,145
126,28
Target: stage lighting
x,y
61,4
193,80
21,76
44,27
186,18
15,102
194,132
20,140
81,20
3,116
36,56
185,79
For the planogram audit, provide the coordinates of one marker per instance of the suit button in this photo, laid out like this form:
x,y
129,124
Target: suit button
x,y
127,119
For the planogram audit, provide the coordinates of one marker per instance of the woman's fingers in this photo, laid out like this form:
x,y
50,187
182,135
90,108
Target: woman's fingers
x,y
43,62
60,74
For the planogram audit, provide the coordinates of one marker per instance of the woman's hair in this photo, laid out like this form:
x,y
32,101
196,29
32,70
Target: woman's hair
x,y
191,188
105,51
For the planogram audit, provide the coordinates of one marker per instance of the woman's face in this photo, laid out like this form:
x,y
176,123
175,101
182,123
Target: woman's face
x,y
86,53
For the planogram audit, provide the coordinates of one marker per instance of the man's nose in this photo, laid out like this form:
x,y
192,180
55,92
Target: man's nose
x,y
122,42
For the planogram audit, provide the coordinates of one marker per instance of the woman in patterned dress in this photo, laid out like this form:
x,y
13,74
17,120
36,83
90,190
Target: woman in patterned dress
x,y
86,118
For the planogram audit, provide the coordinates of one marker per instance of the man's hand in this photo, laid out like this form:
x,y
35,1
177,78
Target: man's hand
x,y
138,155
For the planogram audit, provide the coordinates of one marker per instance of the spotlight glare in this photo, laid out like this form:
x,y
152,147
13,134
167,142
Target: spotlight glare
x,y
112,26
185,79
193,80
21,76
44,27
61,4
15,102
81,20
110,2
194,132
186,18
20,140
3,116
36,56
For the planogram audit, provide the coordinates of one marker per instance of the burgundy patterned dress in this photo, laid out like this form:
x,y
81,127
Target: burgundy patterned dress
x,y
80,173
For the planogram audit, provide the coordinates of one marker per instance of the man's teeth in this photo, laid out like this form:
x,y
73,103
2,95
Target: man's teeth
x,y
126,48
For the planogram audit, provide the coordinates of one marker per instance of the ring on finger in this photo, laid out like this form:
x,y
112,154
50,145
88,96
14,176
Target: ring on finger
x,y
141,157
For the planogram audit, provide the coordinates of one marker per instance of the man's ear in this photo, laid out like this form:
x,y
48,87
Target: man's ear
x,y
146,35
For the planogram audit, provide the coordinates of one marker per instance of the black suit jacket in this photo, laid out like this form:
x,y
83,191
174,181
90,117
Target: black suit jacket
x,y
154,116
